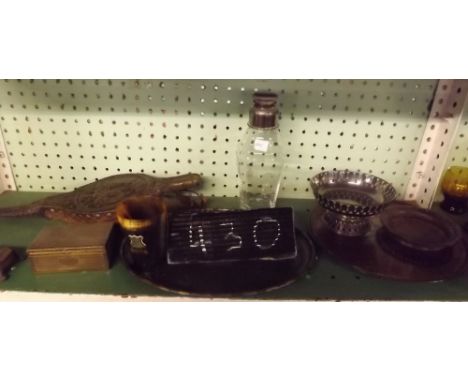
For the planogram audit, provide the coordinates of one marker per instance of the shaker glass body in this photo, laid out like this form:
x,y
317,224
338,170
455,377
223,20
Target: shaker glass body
x,y
260,164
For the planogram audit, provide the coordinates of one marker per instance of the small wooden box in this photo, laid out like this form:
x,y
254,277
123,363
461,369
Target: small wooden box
x,y
72,247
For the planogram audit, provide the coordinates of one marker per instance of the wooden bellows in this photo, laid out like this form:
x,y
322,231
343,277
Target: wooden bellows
x,y
96,202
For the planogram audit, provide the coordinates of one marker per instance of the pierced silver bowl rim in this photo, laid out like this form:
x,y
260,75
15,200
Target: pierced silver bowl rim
x,y
385,188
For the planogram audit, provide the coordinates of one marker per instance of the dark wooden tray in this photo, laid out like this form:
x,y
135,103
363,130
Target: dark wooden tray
x,y
419,229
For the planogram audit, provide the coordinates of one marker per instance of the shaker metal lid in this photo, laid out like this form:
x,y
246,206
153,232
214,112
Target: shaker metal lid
x,y
264,112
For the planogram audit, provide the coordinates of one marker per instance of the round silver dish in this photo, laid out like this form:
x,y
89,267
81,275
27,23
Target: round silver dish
x,y
350,198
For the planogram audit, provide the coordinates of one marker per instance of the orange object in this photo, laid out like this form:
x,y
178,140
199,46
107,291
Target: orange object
x,y
455,182
137,213
455,189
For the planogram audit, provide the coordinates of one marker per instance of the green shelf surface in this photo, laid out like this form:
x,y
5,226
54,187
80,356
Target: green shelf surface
x,y
326,281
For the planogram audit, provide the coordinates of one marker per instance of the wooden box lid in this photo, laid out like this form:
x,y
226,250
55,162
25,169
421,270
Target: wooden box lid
x,y
72,237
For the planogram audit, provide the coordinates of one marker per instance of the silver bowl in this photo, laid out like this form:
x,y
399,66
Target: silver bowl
x,y
350,198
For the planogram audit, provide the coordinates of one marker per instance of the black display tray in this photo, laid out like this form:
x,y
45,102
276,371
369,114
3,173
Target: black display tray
x,y
223,278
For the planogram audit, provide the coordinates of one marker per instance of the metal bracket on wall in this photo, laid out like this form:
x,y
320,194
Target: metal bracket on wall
x,y
447,108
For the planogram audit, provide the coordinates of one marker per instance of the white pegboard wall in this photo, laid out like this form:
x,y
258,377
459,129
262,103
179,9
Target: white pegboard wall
x,y
7,181
60,134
